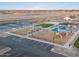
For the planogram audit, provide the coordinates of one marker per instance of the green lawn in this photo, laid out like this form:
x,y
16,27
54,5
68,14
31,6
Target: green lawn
x,y
4,24
76,44
45,25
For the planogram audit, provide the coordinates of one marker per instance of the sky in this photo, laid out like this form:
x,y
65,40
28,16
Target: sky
x,y
39,5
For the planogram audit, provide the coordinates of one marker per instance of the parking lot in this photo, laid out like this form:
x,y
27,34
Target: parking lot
x,y
25,47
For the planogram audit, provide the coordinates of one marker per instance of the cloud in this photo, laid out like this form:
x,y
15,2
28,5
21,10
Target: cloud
x,y
43,6
36,7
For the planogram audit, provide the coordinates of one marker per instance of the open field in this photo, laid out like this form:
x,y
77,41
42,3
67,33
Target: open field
x,y
51,37
37,14
23,31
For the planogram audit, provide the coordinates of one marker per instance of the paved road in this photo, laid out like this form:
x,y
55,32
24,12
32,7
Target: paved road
x,y
26,47
72,38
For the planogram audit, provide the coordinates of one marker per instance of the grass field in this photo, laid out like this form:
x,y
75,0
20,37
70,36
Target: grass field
x,y
45,25
4,24
76,44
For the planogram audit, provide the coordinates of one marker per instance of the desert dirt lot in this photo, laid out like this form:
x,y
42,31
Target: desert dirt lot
x,y
51,37
23,31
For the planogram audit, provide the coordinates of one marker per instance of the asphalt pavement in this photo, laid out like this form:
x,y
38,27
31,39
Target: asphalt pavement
x,y
22,47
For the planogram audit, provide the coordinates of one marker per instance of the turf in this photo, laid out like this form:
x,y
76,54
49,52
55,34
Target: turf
x,y
4,24
45,25
76,44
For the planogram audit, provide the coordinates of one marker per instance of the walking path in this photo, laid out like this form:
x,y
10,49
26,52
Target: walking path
x,y
72,38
